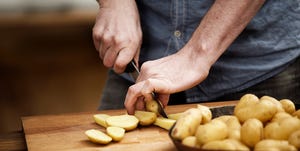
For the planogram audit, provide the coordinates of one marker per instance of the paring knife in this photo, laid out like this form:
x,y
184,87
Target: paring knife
x,y
134,71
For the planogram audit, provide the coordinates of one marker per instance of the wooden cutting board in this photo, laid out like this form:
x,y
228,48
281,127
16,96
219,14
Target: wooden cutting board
x,y
66,132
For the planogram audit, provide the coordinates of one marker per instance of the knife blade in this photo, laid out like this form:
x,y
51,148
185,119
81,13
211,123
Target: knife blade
x,y
134,72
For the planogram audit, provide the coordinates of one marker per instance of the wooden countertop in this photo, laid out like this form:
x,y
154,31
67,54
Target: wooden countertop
x,y
66,132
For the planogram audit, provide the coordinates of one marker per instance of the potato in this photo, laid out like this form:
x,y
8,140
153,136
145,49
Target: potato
x,y
116,133
233,124
187,124
275,101
97,136
288,106
294,139
250,106
190,141
280,116
175,116
152,106
206,113
164,123
218,145
226,144
238,145
251,132
276,145
282,129
145,118
101,119
128,122
297,114
214,130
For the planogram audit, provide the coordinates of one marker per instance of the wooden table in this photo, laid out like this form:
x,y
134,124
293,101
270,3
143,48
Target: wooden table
x,y
66,132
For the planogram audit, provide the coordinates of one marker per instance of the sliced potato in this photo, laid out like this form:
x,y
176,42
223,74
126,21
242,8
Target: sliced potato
x,y
128,122
175,116
101,119
145,118
164,123
97,136
116,133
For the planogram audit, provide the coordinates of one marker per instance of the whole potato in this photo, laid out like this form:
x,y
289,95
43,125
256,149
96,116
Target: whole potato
x,y
218,145
276,145
187,124
233,124
280,116
288,106
226,144
297,114
294,139
252,132
206,113
282,129
191,141
275,101
250,106
214,130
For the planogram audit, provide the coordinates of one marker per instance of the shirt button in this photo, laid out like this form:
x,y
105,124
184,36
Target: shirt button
x,y
177,33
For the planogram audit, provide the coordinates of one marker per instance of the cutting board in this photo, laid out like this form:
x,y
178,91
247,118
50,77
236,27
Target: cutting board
x,y
66,132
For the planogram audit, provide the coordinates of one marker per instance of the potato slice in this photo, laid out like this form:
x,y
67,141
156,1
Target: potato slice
x,y
116,133
164,123
145,118
97,136
175,116
101,119
128,122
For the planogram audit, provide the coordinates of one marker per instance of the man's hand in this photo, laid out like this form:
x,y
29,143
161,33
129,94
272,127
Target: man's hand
x,y
167,75
117,33
189,66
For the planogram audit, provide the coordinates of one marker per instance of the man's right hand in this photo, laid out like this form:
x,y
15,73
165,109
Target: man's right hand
x,y
117,33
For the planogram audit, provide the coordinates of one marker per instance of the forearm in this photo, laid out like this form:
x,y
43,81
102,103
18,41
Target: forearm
x,y
220,26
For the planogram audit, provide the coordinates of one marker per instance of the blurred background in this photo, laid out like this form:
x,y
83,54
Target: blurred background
x,y
48,64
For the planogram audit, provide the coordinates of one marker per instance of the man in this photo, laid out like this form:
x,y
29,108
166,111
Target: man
x,y
200,50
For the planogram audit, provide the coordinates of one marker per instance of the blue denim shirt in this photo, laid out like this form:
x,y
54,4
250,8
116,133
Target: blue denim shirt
x,y
267,45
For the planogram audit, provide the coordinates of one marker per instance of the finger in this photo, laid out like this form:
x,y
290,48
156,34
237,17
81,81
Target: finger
x,y
155,85
124,57
164,98
140,104
132,96
110,57
96,44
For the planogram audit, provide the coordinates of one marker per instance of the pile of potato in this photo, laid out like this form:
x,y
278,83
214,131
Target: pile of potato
x,y
258,124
